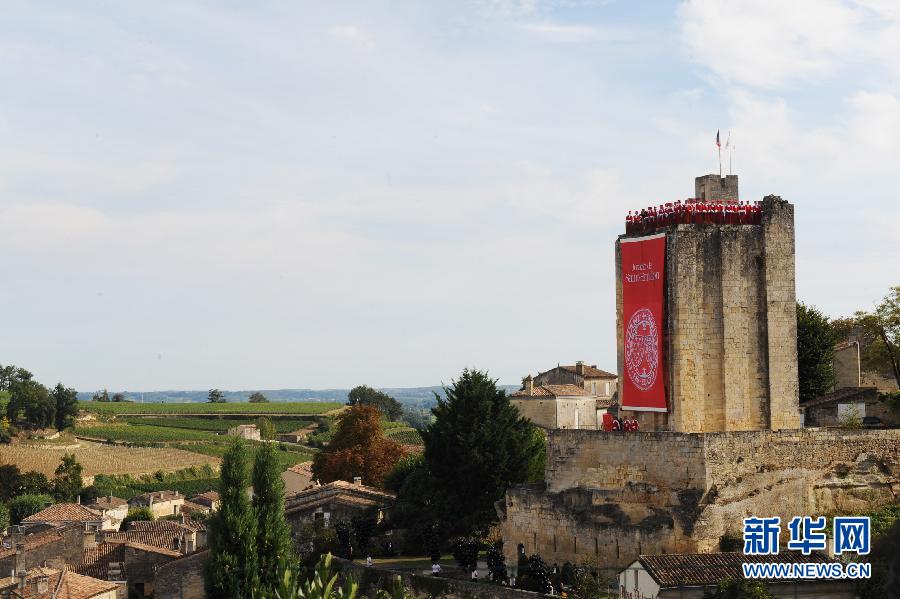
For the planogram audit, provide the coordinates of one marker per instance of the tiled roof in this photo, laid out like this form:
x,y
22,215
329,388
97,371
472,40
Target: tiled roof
x,y
189,506
590,372
551,391
65,512
160,537
62,584
700,569
95,561
35,540
107,503
304,468
340,491
844,394
157,496
206,499
606,403
175,526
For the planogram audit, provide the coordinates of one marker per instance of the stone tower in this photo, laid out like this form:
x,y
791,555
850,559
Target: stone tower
x,y
730,332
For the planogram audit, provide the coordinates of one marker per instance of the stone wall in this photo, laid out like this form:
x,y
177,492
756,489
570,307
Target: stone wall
x,y
731,334
608,497
427,587
182,578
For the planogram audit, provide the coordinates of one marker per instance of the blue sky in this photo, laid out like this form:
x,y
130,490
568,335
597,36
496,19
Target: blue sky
x,y
305,194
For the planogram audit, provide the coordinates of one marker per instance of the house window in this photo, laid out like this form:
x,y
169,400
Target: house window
x,y
594,388
607,388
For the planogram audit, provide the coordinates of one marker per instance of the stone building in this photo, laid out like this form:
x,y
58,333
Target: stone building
x,y
730,322
729,442
337,500
297,477
245,431
161,503
691,576
567,396
112,509
50,583
69,513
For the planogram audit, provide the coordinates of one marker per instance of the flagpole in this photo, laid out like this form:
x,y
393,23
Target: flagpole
x,y
720,162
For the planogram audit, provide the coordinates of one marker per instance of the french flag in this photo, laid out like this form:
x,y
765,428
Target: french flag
x,y
718,144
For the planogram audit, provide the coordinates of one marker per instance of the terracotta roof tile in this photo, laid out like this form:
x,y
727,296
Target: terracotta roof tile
x,y
95,561
304,468
590,372
206,498
340,491
35,540
107,503
65,512
61,584
700,569
157,496
552,391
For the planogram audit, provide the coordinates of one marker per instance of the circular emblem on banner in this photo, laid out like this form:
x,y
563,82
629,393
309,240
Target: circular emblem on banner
x,y
641,349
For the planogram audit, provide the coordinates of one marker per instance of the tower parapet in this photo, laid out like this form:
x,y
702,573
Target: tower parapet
x,y
729,332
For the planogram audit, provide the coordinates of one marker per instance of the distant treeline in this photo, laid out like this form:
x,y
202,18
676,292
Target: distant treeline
x,y
422,397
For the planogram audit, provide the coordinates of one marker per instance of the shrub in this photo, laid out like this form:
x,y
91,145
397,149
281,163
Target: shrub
x,y
137,514
26,505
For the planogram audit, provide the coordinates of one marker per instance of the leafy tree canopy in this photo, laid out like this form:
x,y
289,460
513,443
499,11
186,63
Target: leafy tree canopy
x,y
878,333
815,352
477,447
67,481
66,400
137,514
26,505
257,397
357,449
367,396
100,396
215,396
266,428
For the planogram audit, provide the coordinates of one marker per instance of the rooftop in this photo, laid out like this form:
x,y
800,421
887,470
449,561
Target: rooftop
x,y
60,584
156,496
552,391
34,540
107,503
340,491
65,512
701,569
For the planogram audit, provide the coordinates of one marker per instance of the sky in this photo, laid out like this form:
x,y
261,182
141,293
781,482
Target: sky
x,y
309,194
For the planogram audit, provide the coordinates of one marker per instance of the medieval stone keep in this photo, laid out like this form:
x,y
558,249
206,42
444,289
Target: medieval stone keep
x,y
727,442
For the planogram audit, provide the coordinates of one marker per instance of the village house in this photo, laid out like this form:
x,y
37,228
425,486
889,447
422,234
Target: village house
x,y
337,500
689,576
129,564
161,503
183,536
50,583
208,500
26,547
70,513
297,477
112,509
567,397
245,431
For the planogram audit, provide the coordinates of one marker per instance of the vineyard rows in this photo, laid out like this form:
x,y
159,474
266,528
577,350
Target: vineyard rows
x,y
282,425
122,408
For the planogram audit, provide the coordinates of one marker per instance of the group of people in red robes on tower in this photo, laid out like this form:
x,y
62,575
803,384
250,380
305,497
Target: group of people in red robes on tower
x,y
693,212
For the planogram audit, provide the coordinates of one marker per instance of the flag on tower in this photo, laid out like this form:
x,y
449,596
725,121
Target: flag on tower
x,y
718,144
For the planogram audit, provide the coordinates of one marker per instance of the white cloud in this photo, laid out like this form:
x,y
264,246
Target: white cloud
x,y
352,34
566,33
771,43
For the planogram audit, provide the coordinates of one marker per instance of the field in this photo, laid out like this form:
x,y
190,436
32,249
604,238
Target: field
x,y
104,459
215,424
287,456
310,408
141,433
406,436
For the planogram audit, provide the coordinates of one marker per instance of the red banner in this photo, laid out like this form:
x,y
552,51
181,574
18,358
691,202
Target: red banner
x,y
643,277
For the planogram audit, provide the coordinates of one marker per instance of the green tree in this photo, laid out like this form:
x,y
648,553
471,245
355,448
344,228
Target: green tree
x,y
30,404
364,395
257,397
137,514
4,516
878,334
10,481
26,505
477,447
815,352
231,570
67,481
215,396
66,400
118,397
100,396
739,588
266,428
34,483
273,534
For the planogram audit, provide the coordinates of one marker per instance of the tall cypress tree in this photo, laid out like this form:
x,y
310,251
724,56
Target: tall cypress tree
x,y
477,447
273,534
231,571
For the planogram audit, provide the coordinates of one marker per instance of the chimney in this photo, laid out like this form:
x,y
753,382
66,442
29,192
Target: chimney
x,y
41,584
109,499
176,493
357,480
89,539
529,385
19,564
22,576
78,500
47,504
579,367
